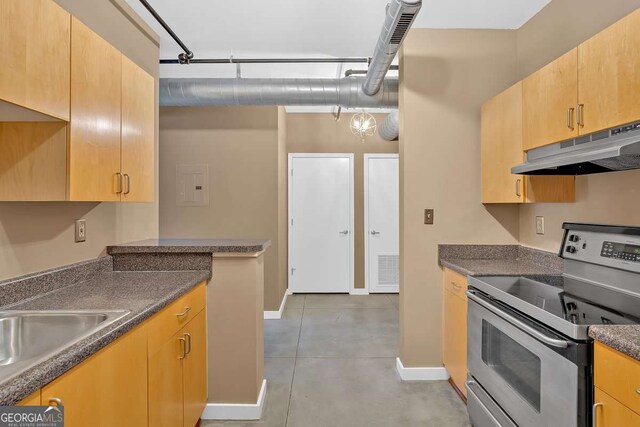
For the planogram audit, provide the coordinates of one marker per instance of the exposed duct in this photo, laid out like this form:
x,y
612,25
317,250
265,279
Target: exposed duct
x,y
389,129
400,16
371,91
345,92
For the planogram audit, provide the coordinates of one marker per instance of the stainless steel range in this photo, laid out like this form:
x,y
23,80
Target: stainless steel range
x,y
530,359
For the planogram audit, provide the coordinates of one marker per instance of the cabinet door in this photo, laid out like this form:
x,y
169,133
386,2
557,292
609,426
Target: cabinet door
x,y
108,389
166,398
14,27
49,59
501,139
35,39
94,142
608,76
138,133
195,369
548,95
455,338
611,413
617,374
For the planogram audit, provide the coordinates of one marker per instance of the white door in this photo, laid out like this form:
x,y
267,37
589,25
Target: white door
x,y
382,222
320,222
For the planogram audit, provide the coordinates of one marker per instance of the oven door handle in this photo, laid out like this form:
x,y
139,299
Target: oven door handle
x,y
554,342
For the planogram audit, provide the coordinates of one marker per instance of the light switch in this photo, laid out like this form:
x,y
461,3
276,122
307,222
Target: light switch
x,y
539,225
428,216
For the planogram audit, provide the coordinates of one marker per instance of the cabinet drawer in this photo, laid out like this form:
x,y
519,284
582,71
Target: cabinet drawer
x,y
618,375
455,283
172,318
611,413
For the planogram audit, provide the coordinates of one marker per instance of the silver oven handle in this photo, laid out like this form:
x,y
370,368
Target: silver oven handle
x,y
554,342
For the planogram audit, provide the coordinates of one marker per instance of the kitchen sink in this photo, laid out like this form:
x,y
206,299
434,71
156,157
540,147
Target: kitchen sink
x,y
30,337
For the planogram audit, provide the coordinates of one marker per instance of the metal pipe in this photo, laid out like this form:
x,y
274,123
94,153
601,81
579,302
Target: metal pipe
x,y
389,129
355,72
270,60
400,16
188,55
344,92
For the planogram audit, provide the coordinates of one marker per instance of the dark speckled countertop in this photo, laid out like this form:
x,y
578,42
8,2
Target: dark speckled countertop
x,y
190,246
141,293
624,338
498,260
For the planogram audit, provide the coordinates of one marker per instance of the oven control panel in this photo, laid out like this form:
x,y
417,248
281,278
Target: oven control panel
x,y
613,250
621,251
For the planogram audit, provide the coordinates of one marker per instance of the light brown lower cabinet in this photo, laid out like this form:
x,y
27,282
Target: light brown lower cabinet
x,y
178,377
611,413
141,379
454,345
195,370
109,388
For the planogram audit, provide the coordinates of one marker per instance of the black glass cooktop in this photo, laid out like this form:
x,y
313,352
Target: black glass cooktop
x,y
564,304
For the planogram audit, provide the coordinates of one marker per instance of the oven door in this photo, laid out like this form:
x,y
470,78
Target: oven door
x,y
521,365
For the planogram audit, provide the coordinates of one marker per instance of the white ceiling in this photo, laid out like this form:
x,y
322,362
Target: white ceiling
x,y
316,28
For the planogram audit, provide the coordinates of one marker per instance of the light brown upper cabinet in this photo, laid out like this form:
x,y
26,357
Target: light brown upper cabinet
x,y
550,98
112,130
107,150
608,77
138,133
501,135
94,140
501,149
591,88
35,45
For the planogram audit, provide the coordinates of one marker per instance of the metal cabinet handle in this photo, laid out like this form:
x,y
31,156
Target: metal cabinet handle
x,y
553,342
638,391
518,181
594,413
570,118
119,183
184,348
188,337
374,232
56,400
581,115
127,180
185,312
345,232
457,286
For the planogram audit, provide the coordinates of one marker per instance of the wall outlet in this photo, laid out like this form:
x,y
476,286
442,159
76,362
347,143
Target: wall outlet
x,y
539,225
428,216
81,230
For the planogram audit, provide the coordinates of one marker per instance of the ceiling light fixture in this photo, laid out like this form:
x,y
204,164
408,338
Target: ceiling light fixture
x,y
363,125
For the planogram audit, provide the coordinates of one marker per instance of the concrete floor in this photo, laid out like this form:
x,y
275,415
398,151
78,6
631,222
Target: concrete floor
x,y
330,362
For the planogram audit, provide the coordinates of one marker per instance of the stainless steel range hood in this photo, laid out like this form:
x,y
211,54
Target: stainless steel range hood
x,y
612,150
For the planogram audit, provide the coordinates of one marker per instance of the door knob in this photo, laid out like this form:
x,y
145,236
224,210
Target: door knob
x,y
345,232
374,232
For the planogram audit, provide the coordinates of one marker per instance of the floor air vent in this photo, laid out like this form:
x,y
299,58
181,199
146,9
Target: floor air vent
x,y
388,269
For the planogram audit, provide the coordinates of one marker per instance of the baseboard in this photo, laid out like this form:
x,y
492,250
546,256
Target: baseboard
x,y
359,291
236,411
271,315
421,374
